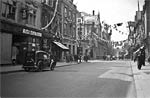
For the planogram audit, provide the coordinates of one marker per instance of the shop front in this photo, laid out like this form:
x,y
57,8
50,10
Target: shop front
x,y
30,40
59,49
16,40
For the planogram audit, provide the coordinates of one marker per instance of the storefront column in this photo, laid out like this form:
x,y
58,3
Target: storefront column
x,y
6,42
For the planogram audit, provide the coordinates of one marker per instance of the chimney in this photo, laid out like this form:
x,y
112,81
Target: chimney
x,y
93,12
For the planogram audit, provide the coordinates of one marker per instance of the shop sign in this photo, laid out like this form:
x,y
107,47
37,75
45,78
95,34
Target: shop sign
x,y
30,32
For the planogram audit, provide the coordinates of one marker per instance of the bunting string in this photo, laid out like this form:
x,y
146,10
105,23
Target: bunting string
x,y
52,17
108,28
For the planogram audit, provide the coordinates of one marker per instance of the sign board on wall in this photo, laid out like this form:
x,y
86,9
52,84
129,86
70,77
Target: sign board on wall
x,y
30,32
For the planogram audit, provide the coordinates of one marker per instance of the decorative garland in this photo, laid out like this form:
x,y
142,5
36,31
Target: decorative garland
x,y
52,17
107,27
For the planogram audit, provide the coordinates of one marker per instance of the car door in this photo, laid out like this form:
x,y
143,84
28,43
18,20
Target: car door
x,y
46,59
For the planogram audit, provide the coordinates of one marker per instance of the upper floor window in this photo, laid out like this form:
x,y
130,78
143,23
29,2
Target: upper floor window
x,y
74,31
51,3
31,17
8,9
65,11
65,29
69,14
79,20
73,17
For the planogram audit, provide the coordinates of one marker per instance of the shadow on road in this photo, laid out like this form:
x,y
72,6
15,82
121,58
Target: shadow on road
x,y
8,72
65,70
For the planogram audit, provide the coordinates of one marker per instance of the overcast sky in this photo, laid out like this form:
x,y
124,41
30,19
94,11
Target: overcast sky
x,y
112,12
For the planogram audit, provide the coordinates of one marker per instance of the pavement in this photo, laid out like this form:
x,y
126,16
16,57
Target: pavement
x,y
142,80
141,77
16,68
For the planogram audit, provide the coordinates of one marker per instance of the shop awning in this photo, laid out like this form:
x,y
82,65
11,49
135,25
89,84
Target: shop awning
x,y
61,46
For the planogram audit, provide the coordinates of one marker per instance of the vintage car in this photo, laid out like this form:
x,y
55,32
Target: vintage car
x,y
37,61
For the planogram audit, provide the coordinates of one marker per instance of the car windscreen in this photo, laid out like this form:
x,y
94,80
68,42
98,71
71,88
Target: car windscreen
x,y
42,55
30,55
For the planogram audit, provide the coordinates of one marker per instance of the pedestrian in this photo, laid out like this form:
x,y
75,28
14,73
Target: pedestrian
x,y
79,58
70,58
67,57
143,55
140,57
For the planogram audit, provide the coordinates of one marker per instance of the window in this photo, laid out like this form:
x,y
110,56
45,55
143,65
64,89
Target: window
x,y
69,14
9,9
68,30
65,11
74,18
51,3
31,17
65,29
40,55
74,32
79,20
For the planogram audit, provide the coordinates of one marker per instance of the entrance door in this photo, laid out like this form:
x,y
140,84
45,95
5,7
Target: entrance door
x,y
21,43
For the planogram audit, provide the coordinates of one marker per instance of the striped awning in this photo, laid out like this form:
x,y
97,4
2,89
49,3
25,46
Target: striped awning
x,y
61,46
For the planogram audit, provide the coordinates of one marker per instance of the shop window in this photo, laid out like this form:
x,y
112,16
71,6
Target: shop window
x,y
33,40
33,43
8,9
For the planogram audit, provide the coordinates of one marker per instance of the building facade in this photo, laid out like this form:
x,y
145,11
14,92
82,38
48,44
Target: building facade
x,y
68,28
51,25
146,14
141,34
95,36
20,29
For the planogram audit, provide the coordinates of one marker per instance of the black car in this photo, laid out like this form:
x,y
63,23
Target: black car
x,y
37,61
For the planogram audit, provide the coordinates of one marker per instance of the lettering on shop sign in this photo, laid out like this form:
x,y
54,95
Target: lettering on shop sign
x,y
30,32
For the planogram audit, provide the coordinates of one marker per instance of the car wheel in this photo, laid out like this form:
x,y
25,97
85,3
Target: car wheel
x,y
50,66
39,65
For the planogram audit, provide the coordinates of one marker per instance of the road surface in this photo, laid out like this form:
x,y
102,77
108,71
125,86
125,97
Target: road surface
x,y
102,79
